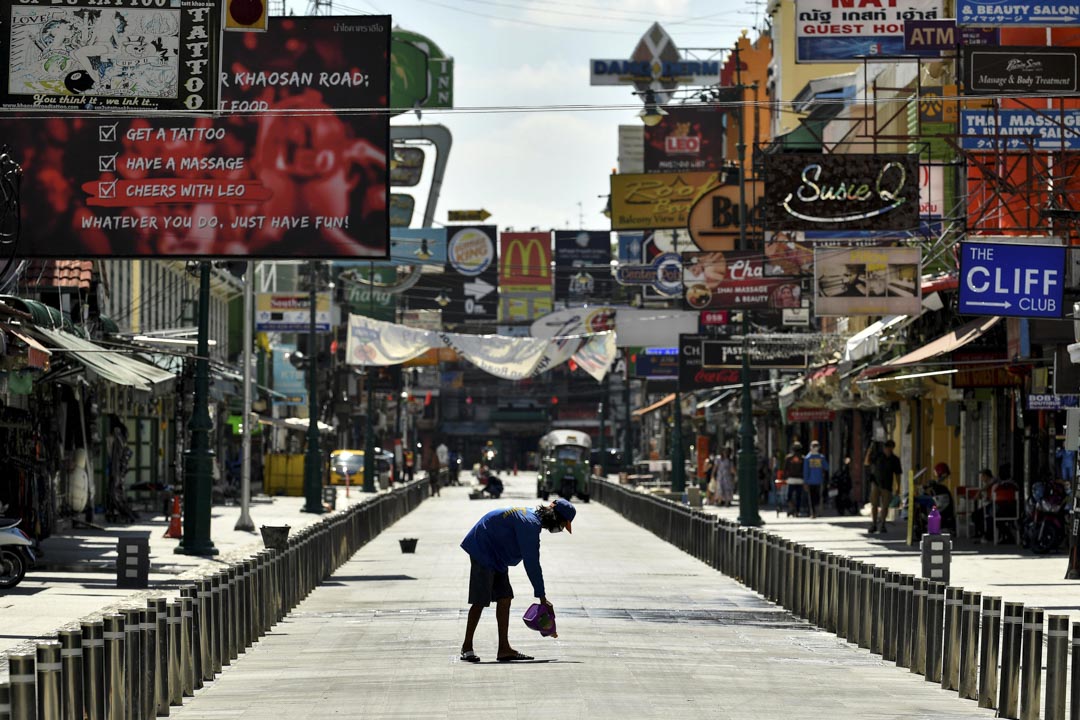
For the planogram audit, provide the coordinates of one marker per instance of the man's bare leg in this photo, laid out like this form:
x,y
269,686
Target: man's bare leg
x,y
470,625
502,619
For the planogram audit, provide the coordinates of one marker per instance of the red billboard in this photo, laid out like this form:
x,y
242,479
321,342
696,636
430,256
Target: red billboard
x,y
288,169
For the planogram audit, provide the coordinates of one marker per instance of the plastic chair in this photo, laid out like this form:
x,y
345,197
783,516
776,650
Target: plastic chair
x,y
1013,519
965,509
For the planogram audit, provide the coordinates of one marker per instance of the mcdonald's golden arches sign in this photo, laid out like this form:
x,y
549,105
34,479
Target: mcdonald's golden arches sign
x,y
524,275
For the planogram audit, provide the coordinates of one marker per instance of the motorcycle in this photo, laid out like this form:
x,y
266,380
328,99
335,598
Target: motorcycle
x,y
1044,526
16,553
839,491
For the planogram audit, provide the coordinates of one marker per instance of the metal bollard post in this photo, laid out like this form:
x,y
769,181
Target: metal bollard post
x,y
935,630
889,610
175,685
1031,664
221,651
250,601
134,662
71,674
842,566
917,643
114,635
1011,648
21,677
161,660
866,603
822,589
969,646
813,614
854,582
206,628
50,704
1057,666
950,648
1074,685
833,613
232,622
5,701
877,610
189,638
989,650
151,661
243,614
804,581
905,600
93,665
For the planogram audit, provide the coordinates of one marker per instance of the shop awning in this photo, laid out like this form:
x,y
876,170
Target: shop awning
x,y
109,365
947,343
655,406
865,343
705,404
37,355
293,423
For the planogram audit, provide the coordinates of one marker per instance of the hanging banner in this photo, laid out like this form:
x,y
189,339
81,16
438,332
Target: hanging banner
x,y
1020,70
582,265
372,342
867,281
832,31
687,139
524,276
281,174
841,192
657,200
738,280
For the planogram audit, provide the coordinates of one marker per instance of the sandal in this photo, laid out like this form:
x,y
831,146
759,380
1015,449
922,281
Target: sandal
x,y
516,657
469,656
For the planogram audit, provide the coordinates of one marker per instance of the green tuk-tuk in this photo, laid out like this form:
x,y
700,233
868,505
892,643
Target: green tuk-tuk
x,y
564,465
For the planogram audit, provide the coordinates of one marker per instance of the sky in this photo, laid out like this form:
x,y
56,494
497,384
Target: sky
x,y
546,169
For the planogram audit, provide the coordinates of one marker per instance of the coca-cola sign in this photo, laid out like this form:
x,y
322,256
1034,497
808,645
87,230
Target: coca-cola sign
x,y
841,192
693,375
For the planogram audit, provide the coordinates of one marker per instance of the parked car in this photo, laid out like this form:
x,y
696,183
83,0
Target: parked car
x,y
351,462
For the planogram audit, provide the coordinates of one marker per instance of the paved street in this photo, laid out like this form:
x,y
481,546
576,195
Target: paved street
x,y
644,632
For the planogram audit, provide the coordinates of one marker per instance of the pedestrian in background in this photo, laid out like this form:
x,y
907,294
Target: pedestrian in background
x,y
725,478
793,473
502,538
705,480
815,470
884,470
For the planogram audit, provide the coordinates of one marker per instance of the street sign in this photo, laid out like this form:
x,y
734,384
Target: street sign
x,y
290,312
1045,13
1012,280
468,215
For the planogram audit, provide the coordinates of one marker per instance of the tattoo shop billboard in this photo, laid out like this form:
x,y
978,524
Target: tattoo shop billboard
x,y
841,192
90,55
847,30
278,175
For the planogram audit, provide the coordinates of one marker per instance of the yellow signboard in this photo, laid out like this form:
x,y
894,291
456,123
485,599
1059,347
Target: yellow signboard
x,y
657,200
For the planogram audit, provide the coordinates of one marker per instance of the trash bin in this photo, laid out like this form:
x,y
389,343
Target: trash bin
x,y
408,545
275,537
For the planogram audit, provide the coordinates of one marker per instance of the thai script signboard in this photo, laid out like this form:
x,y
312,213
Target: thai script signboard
x,y
846,30
1043,13
1020,130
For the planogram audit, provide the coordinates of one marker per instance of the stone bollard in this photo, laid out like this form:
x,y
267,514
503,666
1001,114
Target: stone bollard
x,y
71,674
21,679
93,663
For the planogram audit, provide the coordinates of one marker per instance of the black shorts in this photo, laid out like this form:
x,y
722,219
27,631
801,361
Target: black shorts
x,y
486,585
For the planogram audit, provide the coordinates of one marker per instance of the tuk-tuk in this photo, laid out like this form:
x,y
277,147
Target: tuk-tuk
x,y
564,465
351,463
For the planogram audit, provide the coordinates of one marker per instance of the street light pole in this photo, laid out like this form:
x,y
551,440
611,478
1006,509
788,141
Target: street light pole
x,y
748,488
312,458
198,460
628,428
245,522
369,424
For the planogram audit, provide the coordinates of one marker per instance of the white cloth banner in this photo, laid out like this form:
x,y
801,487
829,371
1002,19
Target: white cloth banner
x,y
375,342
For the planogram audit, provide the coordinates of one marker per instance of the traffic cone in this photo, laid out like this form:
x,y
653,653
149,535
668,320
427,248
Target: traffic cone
x,y
175,531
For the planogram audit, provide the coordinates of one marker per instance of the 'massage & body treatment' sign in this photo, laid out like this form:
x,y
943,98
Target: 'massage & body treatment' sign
x,y
841,192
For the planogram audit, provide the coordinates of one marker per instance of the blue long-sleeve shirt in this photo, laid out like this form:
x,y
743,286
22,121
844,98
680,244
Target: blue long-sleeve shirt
x,y
506,537
815,469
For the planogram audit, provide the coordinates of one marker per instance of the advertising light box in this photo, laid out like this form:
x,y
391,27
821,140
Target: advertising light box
x,y
280,173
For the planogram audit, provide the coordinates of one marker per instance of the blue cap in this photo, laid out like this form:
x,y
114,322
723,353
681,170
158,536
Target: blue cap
x,y
566,511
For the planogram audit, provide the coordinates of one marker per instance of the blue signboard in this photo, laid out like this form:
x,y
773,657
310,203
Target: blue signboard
x,y
1012,280
1044,13
289,383
1003,130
